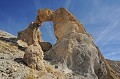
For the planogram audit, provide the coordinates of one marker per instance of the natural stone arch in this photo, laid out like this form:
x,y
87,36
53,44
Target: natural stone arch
x,y
63,23
74,44
60,18
68,29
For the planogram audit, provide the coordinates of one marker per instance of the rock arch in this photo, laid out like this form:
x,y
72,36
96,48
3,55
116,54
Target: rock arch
x,y
63,22
74,45
59,18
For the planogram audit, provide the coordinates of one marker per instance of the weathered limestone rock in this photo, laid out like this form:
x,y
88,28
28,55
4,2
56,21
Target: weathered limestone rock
x,y
76,47
65,22
115,65
45,46
33,57
30,35
11,66
78,52
30,38
44,15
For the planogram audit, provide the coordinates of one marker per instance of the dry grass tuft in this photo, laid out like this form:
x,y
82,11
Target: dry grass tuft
x,y
53,71
7,47
31,75
41,73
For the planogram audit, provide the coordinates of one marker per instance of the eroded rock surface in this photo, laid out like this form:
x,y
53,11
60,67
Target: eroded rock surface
x,y
30,38
12,66
76,48
44,15
115,65
65,23
33,57
30,35
45,46
74,53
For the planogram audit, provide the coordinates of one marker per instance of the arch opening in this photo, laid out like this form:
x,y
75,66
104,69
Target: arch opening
x,y
47,32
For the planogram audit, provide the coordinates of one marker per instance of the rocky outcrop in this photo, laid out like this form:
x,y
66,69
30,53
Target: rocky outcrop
x,y
11,66
44,15
30,38
30,35
6,35
33,57
65,23
76,48
45,46
74,51
115,65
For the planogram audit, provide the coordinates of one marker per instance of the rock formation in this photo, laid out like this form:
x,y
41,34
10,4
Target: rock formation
x,y
45,46
33,57
115,65
44,15
30,39
12,67
30,35
75,48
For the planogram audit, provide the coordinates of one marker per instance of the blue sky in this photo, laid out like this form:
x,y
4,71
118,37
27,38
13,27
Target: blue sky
x,y
101,18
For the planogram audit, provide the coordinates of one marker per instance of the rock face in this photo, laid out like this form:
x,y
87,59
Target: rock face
x,y
74,52
45,46
30,39
65,23
30,35
11,61
33,57
10,68
76,48
115,65
44,15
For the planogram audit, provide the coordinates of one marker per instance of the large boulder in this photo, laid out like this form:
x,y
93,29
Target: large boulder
x,y
45,46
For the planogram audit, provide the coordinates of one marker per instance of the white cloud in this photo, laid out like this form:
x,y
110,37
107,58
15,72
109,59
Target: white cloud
x,y
107,31
105,42
109,15
112,54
